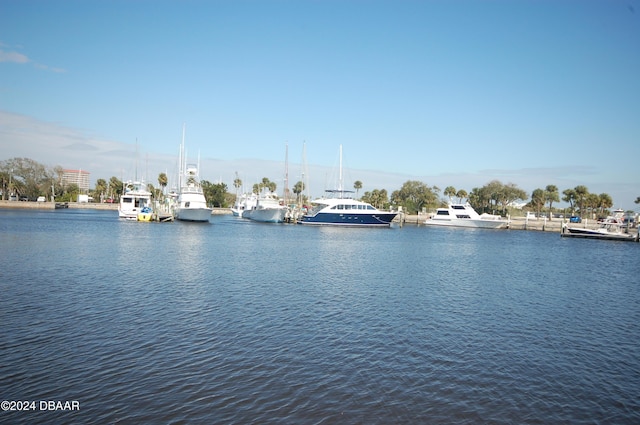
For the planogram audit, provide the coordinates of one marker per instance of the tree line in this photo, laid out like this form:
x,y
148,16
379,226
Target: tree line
x,y
27,178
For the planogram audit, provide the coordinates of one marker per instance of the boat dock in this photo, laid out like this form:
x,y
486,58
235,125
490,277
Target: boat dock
x,y
163,217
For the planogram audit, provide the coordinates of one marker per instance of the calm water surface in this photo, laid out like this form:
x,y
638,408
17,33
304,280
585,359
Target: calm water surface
x,y
241,322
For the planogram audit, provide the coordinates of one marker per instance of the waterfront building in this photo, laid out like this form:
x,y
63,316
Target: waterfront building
x,y
78,177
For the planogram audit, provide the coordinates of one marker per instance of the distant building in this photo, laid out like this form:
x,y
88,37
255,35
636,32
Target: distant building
x,y
79,177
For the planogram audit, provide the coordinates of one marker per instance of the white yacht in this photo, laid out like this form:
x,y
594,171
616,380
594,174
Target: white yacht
x,y
267,209
244,202
463,215
134,200
191,204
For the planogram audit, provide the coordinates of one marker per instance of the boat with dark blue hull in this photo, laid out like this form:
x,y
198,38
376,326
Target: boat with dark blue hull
x,y
339,209
342,211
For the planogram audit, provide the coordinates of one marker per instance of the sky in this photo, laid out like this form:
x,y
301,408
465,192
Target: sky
x,y
449,93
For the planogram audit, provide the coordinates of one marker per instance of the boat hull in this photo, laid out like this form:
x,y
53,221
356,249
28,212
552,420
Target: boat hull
x,y
576,232
476,224
193,214
145,216
129,214
349,220
266,215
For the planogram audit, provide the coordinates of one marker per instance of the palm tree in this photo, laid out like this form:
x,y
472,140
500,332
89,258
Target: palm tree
x,y
100,190
265,183
570,197
357,185
604,201
115,188
461,194
237,183
582,194
297,189
551,195
163,180
449,191
593,203
537,200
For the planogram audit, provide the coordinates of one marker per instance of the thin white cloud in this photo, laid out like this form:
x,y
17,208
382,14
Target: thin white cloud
x,y
49,68
13,57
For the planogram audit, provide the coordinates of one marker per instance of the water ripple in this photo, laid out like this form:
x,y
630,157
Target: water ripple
x,y
235,322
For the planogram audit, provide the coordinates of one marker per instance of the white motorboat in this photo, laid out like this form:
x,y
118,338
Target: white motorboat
x,y
463,215
267,209
244,202
610,228
134,200
191,204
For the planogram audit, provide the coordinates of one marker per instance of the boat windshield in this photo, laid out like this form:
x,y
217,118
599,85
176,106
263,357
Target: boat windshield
x,y
316,209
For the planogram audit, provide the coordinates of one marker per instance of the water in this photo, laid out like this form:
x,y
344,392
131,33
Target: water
x,y
242,322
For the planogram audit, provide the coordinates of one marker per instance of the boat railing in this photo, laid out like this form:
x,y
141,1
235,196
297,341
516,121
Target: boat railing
x,y
339,193
191,189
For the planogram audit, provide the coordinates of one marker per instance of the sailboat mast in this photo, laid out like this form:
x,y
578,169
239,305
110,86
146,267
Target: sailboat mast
x,y
182,159
305,177
340,178
286,172
135,175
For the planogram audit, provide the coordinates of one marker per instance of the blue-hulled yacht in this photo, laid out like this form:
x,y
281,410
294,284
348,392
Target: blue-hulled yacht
x,y
341,211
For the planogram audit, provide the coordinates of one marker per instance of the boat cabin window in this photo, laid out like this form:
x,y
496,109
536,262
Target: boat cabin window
x,y
369,207
443,212
127,200
463,216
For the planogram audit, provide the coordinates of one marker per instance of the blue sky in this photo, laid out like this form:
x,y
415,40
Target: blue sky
x,y
446,92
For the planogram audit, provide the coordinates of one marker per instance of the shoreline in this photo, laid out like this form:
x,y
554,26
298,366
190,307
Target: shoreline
x,y
516,223
30,205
